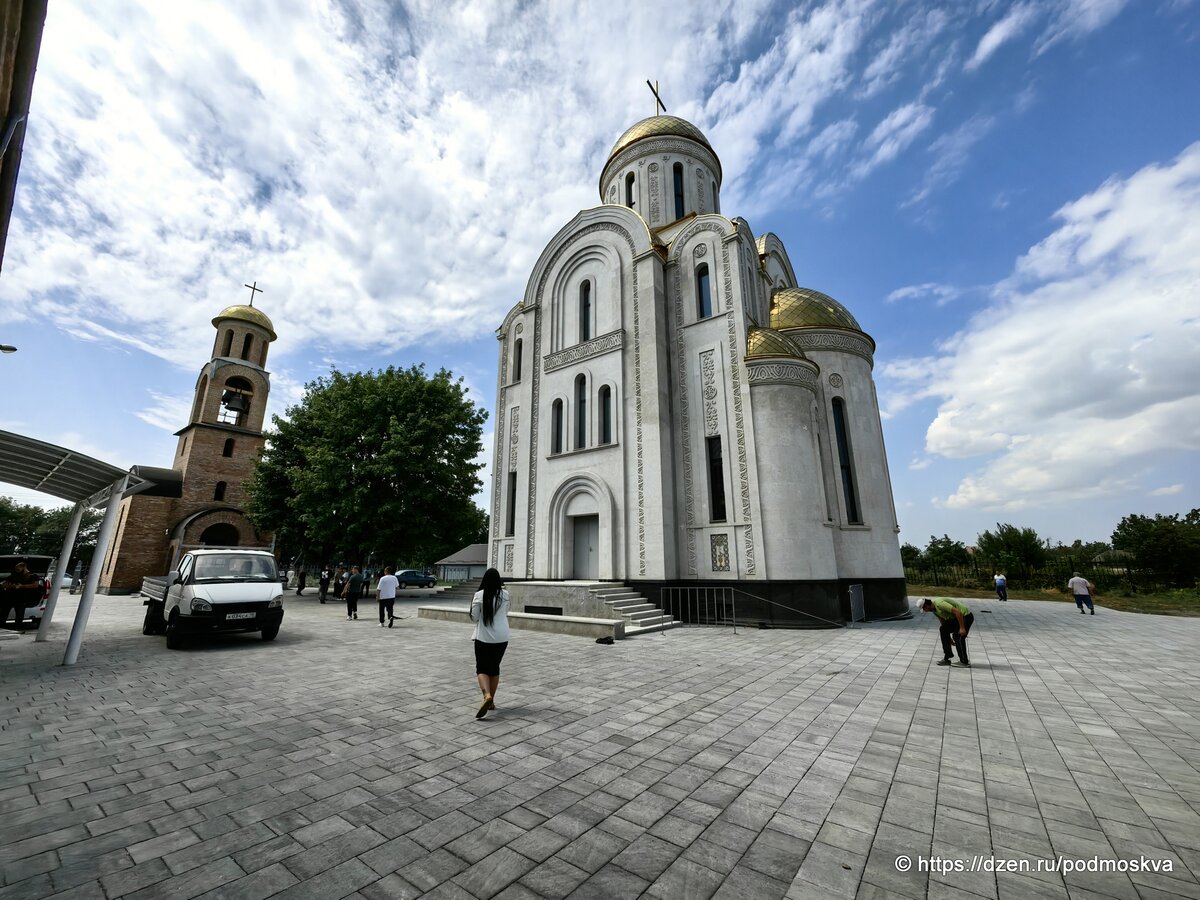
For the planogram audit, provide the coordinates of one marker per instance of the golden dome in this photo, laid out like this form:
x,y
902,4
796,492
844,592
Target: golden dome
x,y
804,308
246,314
767,343
660,126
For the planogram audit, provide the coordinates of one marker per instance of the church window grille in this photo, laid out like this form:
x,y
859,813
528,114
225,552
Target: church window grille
x,y
228,343
703,292
716,480
580,412
247,343
677,171
606,436
219,492
585,311
510,520
629,190
228,450
556,427
517,348
846,463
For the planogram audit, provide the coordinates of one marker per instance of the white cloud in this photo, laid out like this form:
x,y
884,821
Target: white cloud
x,y
893,135
1085,369
902,46
942,293
1011,26
1078,18
170,413
950,154
1168,491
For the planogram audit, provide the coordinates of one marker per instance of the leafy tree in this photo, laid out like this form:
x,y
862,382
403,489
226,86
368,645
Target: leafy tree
x,y
946,552
910,555
1166,545
375,465
40,532
1011,547
1079,551
18,525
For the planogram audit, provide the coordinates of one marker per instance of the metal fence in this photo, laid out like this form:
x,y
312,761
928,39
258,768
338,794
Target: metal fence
x,y
1052,576
719,606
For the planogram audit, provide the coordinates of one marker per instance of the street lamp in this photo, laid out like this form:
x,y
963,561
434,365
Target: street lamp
x,y
7,348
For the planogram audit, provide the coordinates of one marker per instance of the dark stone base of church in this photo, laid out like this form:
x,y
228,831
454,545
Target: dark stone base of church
x,y
776,604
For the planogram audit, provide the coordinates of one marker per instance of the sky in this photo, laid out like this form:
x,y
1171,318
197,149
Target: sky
x,y
1005,195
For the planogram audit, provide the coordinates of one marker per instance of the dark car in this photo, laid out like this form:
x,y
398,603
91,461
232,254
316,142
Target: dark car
x,y
414,578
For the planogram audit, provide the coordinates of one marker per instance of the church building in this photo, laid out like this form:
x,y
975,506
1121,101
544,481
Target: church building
x,y
676,409
217,451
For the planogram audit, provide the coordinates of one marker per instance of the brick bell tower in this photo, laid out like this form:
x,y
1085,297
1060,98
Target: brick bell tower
x,y
216,453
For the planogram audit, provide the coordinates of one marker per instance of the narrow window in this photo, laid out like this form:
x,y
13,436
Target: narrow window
x,y
246,342
517,347
716,204
262,356
580,412
228,343
510,523
703,292
585,311
219,493
716,480
606,415
678,172
846,463
629,190
228,451
556,427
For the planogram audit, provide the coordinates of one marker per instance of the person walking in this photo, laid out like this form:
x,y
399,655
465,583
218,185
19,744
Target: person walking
x,y
1001,586
386,592
323,582
301,579
956,618
352,591
1084,592
489,612
339,580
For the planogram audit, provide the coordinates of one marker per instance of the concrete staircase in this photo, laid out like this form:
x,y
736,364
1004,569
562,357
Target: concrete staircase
x,y
640,615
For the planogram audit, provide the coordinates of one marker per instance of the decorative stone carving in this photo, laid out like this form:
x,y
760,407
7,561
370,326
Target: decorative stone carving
x,y
824,340
719,544
708,378
835,380
701,251
654,215
665,146
612,194
685,426
508,559
519,327
701,194
781,373
514,428
606,343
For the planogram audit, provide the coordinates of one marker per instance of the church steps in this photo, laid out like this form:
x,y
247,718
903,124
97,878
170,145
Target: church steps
x,y
640,615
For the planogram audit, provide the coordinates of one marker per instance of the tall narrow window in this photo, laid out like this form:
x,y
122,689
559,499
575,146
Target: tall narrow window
x,y
246,342
606,415
517,348
228,451
703,292
716,480
219,493
716,203
846,463
585,311
510,521
629,190
228,343
556,427
678,173
580,412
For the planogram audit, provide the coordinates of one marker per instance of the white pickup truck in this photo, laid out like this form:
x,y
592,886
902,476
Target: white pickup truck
x,y
215,590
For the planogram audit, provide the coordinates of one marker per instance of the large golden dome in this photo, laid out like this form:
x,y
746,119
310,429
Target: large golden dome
x,y
246,314
660,126
805,308
767,343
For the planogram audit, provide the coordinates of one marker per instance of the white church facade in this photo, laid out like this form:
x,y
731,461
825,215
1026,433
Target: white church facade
x,y
674,409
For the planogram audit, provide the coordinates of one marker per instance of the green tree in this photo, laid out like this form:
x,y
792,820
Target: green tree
x,y
48,537
375,465
910,555
946,552
1165,545
1010,547
1079,551
18,525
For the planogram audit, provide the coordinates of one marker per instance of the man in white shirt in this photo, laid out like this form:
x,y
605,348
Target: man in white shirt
x,y
1001,586
1083,591
386,592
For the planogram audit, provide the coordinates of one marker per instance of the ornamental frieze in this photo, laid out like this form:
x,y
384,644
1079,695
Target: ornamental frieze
x,y
826,340
782,373
606,343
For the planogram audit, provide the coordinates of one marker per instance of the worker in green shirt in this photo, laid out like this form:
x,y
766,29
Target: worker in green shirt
x,y
956,619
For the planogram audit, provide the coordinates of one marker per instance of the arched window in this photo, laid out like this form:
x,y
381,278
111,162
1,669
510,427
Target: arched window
x,y
846,463
716,480
228,343
580,412
629,190
262,356
228,451
235,402
247,341
703,292
221,534
716,203
198,405
556,427
219,493
678,173
517,348
585,311
606,415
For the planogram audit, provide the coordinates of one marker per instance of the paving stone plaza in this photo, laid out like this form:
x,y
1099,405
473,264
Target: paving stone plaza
x,y
344,760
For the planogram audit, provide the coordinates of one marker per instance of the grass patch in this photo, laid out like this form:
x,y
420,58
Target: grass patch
x,y
1164,603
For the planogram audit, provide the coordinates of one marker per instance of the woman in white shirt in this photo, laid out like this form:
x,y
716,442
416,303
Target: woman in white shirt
x,y
489,612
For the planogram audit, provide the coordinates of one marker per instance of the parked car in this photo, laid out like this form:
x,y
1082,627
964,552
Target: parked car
x,y
35,595
415,578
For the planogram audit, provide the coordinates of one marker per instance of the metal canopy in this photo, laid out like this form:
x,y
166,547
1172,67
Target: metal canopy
x,y
60,472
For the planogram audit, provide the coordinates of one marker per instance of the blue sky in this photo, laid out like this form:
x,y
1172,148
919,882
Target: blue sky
x,y
1006,196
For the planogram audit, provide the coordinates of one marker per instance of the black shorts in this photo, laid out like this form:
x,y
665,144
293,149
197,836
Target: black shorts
x,y
487,658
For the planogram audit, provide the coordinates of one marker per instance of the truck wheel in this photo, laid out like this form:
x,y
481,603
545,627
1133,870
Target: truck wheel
x,y
153,623
269,633
174,638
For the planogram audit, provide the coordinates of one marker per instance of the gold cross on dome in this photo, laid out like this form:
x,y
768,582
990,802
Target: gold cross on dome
x,y
657,99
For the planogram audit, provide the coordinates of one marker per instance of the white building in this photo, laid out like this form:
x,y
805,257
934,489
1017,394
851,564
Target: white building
x,y
674,409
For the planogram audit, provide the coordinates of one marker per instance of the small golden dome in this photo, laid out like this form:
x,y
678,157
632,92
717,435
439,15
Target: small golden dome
x,y
767,343
659,126
804,308
246,314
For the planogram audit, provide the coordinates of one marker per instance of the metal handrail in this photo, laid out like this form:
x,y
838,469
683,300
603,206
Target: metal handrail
x,y
788,608
717,605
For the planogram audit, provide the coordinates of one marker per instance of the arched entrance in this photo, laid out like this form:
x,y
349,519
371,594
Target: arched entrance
x,y
220,534
583,537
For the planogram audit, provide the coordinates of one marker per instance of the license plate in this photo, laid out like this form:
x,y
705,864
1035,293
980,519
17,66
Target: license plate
x,y
249,615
